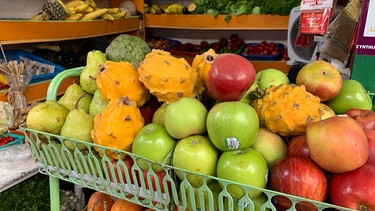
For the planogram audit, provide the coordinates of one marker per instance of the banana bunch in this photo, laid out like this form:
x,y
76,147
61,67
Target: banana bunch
x,y
154,9
83,10
174,9
88,10
164,8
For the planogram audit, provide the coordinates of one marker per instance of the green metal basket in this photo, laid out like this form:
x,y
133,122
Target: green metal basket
x,y
159,191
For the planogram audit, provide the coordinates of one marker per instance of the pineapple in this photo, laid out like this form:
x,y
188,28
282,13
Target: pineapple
x,y
55,9
287,109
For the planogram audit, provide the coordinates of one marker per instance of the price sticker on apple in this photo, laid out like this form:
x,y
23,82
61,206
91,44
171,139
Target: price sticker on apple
x,y
232,143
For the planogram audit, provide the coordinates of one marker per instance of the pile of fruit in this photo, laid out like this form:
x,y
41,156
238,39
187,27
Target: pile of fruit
x,y
174,8
233,44
218,120
75,10
161,43
101,201
262,48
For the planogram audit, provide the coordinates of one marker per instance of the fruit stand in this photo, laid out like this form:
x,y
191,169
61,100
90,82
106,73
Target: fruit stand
x,y
128,125
148,189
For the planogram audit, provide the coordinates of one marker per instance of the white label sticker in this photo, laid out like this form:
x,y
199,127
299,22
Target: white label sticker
x,y
232,143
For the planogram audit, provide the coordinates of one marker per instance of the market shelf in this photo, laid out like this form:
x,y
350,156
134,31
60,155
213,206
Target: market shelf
x,y
258,64
26,31
209,22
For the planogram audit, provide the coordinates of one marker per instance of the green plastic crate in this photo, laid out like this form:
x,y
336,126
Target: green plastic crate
x,y
146,189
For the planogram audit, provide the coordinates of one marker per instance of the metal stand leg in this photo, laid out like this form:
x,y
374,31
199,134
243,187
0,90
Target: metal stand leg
x,y
54,189
78,192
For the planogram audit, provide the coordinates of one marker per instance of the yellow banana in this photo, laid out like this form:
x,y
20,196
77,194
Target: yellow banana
x,y
92,4
119,14
152,11
113,10
96,14
79,8
42,16
88,10
163,7
75,17
174,9
67,11
155,9
73,3
107,16
146,8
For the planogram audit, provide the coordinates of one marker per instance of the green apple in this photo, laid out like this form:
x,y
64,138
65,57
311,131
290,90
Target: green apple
x,y
351,95
256,205
246,98
194,196
159,114
246,166
154,143
232,125
270,145
271,76
195,153
185,117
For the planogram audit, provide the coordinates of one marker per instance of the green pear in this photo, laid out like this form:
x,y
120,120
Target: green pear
x,y
78,125
90,71
48,116
351,95
72,93
97,104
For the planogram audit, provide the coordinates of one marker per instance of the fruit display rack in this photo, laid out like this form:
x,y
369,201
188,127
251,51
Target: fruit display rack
x,y
125,179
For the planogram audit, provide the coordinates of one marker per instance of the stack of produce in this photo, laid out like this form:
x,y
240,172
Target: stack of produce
x,y
76,10
160,111
225,7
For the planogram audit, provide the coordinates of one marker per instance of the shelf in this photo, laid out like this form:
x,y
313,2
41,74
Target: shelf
x,y
38,91
209,22
26,31
258,64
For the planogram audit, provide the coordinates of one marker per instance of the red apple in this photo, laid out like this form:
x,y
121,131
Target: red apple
x,y
371,143
337,144
230,76
321,79
365,118
119,168
354,189
297,146
148,109
298,176
151,179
